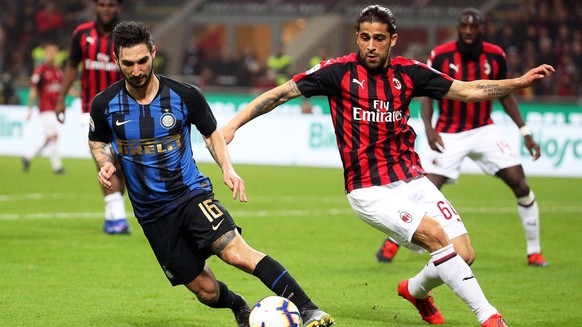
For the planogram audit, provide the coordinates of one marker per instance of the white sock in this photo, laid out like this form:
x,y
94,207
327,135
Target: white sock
x,y
54,155
457,274
427,279
528,210
114,206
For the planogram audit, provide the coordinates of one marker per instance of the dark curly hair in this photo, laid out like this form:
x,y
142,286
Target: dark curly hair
x,y
129,33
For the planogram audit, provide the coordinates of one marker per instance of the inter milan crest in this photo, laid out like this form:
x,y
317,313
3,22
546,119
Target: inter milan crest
x,y
168,120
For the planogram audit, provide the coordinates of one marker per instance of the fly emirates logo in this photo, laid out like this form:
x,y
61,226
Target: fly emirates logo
x,y
380,114
102,63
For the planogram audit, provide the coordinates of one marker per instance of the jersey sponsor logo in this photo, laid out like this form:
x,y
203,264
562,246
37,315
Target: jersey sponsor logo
x,y
406,217
149,146
121,123
168,120
360,83
99,65
381,113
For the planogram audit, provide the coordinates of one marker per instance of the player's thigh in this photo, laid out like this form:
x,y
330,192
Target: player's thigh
x,y
448,162
493,151
390,209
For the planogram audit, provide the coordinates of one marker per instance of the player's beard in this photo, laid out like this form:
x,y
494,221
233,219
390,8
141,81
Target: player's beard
x,y
134,83
380,63
470,51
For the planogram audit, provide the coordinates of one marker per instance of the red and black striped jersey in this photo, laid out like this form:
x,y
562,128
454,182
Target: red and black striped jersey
x,y
457,116
47,81
95,53
370,114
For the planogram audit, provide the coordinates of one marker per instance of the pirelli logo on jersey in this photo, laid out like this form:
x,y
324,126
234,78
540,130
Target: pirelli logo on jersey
x,y
149,146
381,113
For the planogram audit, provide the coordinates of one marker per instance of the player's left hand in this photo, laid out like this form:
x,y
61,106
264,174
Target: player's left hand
x,y
236,184
104,175
534,74
532,147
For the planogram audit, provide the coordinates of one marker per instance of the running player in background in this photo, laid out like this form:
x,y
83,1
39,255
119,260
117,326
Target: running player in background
x,y
172,200
92,47
368,94
467,130
45,84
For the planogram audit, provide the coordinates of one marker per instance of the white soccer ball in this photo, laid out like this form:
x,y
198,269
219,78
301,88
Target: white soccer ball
x,y
275,311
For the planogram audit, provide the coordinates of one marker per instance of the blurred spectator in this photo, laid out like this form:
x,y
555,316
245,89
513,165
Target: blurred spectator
x,y
193,57
280,63
49,21
322,54
7,90
306,106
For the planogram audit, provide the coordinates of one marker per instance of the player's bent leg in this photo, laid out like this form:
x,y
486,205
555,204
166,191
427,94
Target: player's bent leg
x,y
216,294
387,251
464,248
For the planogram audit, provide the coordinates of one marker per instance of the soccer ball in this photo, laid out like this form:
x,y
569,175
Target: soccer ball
x,y
275,311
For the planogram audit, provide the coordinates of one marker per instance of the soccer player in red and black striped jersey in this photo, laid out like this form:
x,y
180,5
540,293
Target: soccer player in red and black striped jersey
x,y
466,129
92,48
45,84
368,94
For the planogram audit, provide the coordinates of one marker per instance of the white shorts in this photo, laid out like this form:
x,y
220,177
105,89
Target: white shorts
x,y
398,208
485,145
49,122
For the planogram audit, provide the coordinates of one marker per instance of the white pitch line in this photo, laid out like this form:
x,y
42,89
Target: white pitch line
x,y
464,211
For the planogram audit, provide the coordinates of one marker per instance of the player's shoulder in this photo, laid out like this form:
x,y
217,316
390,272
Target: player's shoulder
x,y
182,88
492,48
444,48
84,27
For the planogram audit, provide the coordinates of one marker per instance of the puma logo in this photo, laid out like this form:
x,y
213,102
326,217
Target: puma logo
x,y
454,67
361,84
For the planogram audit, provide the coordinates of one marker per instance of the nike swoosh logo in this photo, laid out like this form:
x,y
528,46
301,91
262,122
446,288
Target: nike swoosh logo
x,y
215,227
119,123
467,278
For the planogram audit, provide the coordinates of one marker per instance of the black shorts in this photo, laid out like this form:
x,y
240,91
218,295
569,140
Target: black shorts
x,y
181,240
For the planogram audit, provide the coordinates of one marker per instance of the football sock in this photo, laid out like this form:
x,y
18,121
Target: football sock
x,y
427,279
226,298
56,163
458,276
528,210
114,206
280,281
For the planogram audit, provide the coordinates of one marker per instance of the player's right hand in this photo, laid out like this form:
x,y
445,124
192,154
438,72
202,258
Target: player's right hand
x,y
60,111
435,141
104,175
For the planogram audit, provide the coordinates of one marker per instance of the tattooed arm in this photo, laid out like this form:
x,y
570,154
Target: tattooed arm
x,y
259,106
217,147
480,90
104,158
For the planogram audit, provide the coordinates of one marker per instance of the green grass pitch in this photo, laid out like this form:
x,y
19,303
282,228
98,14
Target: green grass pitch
x,y
58,269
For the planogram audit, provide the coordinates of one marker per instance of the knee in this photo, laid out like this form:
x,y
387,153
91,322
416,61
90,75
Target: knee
x,y
430,235
468,255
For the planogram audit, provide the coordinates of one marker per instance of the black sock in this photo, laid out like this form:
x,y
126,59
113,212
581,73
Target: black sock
x,y
226,298
280,281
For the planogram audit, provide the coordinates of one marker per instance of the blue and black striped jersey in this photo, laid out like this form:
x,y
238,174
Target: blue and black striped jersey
x,y
153,143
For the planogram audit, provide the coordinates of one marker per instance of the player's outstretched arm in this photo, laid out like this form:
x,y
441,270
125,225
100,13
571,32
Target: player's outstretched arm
x,y
259,106
480,90
217,147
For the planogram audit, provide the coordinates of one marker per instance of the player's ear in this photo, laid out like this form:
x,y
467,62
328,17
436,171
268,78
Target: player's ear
x,y
153,51
393,39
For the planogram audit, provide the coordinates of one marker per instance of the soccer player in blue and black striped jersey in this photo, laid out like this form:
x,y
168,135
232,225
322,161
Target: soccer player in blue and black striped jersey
x,y
143,122
369,93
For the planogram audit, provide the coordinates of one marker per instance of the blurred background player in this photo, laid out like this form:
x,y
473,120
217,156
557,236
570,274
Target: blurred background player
x,y
45,84
467,130
92,47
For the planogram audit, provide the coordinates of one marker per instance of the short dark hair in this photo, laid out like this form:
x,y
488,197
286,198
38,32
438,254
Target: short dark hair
x,y
376,13
130,33
472,12
119,2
